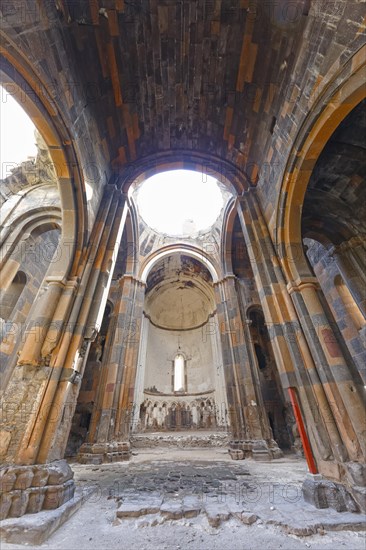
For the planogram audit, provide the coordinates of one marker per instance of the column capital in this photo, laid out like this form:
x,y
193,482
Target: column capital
x,y
130,277
301,284
72,283
349,244
224,279
55,280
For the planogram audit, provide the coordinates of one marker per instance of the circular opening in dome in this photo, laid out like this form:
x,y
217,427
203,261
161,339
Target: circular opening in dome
x,y
180,202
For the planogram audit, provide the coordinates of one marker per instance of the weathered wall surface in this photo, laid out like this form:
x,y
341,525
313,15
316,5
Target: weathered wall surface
x,y
162,348
32,258
346,314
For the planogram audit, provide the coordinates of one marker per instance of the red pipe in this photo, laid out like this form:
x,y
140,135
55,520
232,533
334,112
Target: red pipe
x,y
301,427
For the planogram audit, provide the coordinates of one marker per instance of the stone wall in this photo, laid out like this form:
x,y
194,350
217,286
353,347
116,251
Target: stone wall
x,y
162,348
346,315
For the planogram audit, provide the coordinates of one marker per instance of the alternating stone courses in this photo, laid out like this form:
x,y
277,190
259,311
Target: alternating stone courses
x,y
30,489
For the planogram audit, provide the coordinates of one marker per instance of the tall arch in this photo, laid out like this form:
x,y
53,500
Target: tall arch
x,y
188,250
19,79
335,100
206,164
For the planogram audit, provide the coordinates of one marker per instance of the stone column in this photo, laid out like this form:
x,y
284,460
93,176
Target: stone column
x,y
140,376
292,355
251,435
350,257
343,390
266,430
8,273
65,399
125,402
210,332
108,438
305,362
50,366
345,395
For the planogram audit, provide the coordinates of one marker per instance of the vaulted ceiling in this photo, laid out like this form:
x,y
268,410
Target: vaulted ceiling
x,y
223,85
179,295
335,200
186,74
164,75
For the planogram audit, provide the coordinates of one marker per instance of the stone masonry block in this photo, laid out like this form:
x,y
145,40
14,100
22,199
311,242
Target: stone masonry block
x,y
59,472
7,479
40,477
24,479
5,504
36,499
57,495
19,504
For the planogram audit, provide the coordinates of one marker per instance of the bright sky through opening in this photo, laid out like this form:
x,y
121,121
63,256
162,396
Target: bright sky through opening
x,y
17,141
180,202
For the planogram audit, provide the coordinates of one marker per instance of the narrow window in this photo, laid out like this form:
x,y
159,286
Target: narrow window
x,y
179,364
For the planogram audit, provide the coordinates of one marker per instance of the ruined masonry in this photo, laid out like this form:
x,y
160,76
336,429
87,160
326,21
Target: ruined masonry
x,y
248,335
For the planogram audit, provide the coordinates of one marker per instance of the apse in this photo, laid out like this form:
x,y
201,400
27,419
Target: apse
x,y
180,377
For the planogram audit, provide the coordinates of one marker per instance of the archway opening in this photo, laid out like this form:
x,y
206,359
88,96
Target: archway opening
x,y
31,221
14,151
334,234
180,384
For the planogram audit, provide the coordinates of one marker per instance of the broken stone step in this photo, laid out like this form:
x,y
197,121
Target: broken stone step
x,y
137,508
216,514
172,509
191,506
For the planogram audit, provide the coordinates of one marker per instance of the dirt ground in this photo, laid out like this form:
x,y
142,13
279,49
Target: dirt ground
x,y
271,491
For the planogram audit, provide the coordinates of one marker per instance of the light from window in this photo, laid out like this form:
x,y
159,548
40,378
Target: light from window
x,y
180,202
179,373
14,121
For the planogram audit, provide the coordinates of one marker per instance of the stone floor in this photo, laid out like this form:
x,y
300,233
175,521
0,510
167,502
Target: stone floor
x,y
200,499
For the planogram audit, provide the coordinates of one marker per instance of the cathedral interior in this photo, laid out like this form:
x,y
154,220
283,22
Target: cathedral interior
x,y
250,331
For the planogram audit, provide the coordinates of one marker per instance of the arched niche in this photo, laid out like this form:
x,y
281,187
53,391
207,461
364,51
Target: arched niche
x,y
200,255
